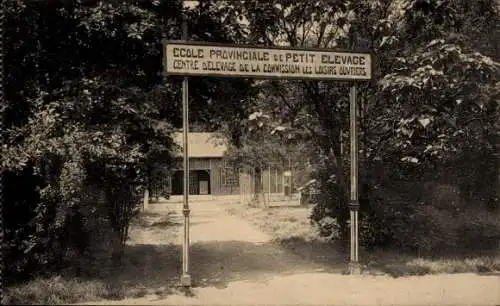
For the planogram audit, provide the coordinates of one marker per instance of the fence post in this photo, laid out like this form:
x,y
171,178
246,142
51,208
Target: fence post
x,y
276,180
146,200
269,185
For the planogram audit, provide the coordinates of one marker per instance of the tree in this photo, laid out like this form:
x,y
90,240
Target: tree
x,y
317,109
76,117
422,114
267,144
88,108
2,97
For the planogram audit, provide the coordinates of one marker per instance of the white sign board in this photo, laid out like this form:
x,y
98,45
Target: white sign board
x,y
192,59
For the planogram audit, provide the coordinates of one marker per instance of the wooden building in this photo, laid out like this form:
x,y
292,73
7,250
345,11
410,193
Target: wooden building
x,y
209,172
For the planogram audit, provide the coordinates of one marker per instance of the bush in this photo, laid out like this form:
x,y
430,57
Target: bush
x,y
442,209
65,225
331,203
437,223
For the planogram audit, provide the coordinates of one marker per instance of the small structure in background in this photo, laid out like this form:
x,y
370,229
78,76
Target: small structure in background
x,y
212,175
209,172
288,183
274,186
308,192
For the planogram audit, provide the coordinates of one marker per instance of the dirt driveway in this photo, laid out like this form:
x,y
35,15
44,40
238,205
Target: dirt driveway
x,y
232,263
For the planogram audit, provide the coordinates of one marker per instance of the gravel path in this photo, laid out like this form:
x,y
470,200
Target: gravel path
x,y
232,263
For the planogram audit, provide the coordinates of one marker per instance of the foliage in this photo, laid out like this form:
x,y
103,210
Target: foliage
x,y
442,123
88,121
267,144
432,105
73,120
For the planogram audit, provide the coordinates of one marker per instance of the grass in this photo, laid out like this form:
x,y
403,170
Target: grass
x,y
104,284
290,227
281,222
400,265
152,219
55,290
58,290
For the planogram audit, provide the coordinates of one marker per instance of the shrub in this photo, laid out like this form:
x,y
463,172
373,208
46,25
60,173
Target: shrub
x,y
59,222
445,208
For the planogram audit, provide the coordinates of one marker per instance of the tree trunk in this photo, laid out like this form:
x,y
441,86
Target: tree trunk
x,y
2,96
117,249
258,197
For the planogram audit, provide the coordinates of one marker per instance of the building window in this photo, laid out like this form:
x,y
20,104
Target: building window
x,y
230,175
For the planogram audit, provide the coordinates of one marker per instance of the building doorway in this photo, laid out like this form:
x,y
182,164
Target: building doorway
x,y
204,182
199,182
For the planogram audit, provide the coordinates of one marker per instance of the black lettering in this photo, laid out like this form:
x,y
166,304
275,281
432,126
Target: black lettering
x,y
354,71
244,67
281,68
307,70
326,70
219,66
189,64
188,52
343,59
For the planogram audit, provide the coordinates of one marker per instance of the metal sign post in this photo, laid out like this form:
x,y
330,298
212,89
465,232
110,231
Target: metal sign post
x,y
185,278
354,267
224,60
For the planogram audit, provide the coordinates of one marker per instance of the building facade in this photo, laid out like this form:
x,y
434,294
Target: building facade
x,y
209,171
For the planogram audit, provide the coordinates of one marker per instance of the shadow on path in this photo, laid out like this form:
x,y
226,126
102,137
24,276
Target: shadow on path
x,y
217,264
149,269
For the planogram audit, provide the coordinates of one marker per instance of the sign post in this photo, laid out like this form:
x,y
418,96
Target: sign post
x,y
185,278
354,267
222,60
